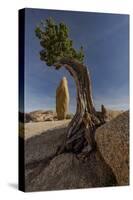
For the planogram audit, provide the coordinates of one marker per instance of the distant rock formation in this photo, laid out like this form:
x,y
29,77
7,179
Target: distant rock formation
x,y
49,115
113,143
104,113
62,99
113,113
40,116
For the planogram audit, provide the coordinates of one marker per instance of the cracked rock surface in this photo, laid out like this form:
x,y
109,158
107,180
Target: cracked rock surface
x,y
46,171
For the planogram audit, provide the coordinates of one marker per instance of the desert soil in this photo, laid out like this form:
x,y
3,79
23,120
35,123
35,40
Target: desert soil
x,y
36,128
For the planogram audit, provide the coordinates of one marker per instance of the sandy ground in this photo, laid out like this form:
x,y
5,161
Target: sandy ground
x,y
45,170
36,128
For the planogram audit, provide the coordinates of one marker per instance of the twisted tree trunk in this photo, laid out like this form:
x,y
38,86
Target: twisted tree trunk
x,y
80,131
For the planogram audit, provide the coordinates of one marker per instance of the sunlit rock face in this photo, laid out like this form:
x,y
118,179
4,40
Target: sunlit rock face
x,y
62,99
113,143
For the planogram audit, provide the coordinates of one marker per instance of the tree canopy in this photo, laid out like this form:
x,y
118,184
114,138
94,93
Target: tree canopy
x,y
58,50
55,43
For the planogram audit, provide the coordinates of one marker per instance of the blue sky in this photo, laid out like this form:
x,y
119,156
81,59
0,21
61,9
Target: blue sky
x,y
105,38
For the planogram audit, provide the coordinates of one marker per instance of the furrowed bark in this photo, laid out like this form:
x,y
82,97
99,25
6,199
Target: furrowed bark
x,y
80,131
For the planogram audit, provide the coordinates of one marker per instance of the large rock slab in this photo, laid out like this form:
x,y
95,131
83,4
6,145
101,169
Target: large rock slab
x,y
45,145
113,142
66,171
44,170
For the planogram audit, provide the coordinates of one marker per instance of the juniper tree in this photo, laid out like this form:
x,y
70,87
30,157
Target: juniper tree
x,y
58,51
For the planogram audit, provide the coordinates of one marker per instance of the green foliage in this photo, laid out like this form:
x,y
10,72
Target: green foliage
x,y
55,43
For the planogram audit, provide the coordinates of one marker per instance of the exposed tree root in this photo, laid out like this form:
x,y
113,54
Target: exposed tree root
x,y
81,130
